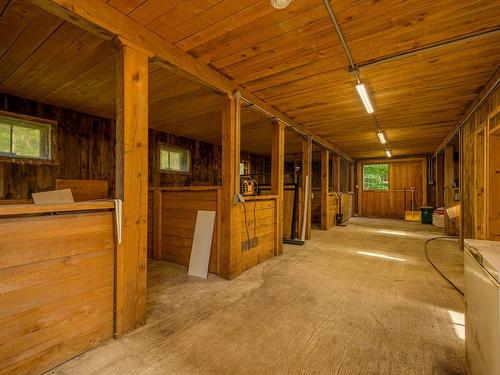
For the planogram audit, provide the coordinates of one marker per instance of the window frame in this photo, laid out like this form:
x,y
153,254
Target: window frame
x,y
363,178
52,124
171,147
248,166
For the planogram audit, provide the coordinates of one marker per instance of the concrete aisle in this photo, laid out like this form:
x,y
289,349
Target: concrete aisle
x,y
359,299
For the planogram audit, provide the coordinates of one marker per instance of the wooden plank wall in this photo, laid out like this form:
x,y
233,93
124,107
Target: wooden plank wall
x,y
179,208
390,204
263,228
84,150
56,288
205,163
473,179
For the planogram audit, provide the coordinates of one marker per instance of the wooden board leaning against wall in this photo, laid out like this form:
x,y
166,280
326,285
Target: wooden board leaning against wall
x,y
403,174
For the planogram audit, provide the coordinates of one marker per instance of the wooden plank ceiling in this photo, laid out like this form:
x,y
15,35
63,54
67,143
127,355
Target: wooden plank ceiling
x,y
52,61
291,59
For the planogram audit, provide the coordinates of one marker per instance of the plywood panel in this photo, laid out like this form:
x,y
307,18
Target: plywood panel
x,y
56,288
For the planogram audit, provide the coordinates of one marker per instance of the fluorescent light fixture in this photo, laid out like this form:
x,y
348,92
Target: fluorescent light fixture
x,y
381,136
363,94
280,4
388,153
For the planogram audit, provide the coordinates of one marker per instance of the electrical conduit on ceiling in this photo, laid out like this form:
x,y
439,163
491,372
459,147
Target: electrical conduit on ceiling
x,y
360,87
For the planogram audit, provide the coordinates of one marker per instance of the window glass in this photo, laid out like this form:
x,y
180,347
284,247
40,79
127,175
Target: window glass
x,y
244,167
174,159
376,177
24,139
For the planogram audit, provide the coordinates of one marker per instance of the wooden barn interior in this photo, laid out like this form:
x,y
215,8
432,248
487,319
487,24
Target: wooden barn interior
x,y
249,187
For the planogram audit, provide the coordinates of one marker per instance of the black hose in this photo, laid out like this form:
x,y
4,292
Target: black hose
x,y
434,266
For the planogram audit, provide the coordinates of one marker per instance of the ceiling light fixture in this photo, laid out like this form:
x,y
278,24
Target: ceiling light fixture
x,y
280,4
363,94
381,136
388,153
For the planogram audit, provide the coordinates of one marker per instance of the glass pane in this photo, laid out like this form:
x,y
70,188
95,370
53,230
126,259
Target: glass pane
x,y
175,160
376,177
163,159
26,142
5,138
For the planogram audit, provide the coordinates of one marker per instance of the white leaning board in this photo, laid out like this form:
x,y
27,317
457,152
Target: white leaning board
x,y
202,244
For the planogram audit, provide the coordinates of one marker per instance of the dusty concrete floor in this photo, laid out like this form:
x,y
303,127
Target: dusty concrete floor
x,y
359,299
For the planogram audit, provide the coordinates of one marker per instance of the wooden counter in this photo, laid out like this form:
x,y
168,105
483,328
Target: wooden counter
x,y
56,283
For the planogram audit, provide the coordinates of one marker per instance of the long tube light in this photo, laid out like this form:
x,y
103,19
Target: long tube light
x,y
363,94
381,136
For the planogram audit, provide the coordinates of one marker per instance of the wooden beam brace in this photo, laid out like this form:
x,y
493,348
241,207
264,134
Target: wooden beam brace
x,y
230,251
132,187
278,179
325,161
99,18
307,172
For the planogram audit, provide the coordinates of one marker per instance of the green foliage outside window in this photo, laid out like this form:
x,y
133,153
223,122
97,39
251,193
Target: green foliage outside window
x,y
174,159
376,177
24,139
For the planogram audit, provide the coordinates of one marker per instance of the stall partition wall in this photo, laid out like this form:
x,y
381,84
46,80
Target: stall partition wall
x,y
258,230
403,175
172,218
481,166
56,283
83,149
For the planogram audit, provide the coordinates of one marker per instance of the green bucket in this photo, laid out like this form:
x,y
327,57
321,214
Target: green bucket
x,y
426,215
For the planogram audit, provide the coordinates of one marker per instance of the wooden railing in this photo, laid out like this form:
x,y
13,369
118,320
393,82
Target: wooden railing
x,y
56,282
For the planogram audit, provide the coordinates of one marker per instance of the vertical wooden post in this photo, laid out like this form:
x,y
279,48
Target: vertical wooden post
x,y
278,178
336,172
307,171
449,178
352,185
132,187
157,215
230,252
439,180
325,159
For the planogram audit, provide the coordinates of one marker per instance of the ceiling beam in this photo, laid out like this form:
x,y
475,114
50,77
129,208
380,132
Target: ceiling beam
x,y
103,20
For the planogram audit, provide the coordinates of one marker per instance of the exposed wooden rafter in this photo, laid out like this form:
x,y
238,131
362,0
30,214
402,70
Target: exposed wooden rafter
x,y
102,19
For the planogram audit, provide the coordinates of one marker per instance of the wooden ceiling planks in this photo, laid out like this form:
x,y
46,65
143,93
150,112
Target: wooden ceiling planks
x,y
291,59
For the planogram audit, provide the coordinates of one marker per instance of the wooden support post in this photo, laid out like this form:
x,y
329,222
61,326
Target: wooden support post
x,y
307,172
132,187
439,180
325,158
352,186
449,180
278,179
157,215
336,172
230,256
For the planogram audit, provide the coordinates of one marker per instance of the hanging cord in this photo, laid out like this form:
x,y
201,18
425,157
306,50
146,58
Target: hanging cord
x,y
434,266
254,216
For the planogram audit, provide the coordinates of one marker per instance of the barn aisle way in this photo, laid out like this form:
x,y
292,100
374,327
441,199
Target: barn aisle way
x,y
359,299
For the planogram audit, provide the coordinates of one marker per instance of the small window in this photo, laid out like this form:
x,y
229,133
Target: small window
x,y
21,138
244,167
376,177
174,159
